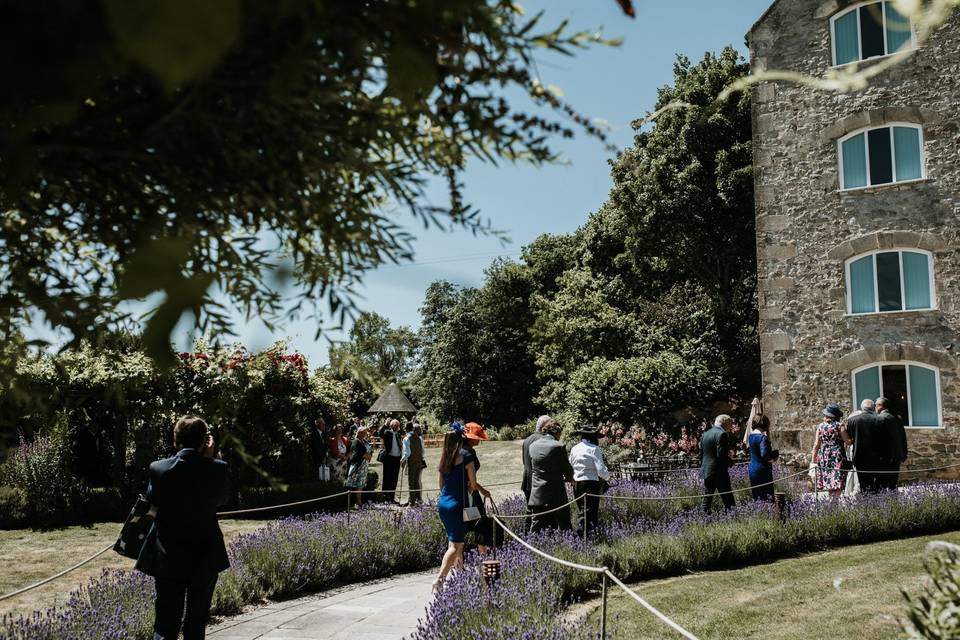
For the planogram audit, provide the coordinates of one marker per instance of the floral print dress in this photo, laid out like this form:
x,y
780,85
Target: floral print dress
x,y
830,458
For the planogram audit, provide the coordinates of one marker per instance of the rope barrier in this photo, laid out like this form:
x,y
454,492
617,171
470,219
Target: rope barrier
x,y
54,577
540,513
702,495
599,570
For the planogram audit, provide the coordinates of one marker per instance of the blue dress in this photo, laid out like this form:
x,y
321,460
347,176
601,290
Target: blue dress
x,y
452,497
761,467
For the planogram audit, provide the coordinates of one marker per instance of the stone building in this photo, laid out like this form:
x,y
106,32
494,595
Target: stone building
x,y
858,223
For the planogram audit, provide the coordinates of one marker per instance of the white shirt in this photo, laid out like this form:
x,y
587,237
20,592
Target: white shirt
x,y
587,462
406,448
395,445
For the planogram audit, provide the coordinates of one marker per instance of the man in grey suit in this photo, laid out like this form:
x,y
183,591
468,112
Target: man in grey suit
x,y
525,453
715,462
550,470
897,437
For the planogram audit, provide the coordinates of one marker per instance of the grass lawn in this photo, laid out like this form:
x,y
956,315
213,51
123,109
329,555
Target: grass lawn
x,y
846,593
499,462
28,556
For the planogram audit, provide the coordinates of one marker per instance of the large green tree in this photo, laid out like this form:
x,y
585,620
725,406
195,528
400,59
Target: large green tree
x,y
198,149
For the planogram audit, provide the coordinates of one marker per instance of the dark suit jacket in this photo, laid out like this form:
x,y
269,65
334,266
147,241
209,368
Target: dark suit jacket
x,y
525,485
871,442
714,453
388,435
897,436
319,447
550,468
185,540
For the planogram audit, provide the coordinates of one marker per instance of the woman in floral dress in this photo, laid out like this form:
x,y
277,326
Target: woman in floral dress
x,y
828,452
337,458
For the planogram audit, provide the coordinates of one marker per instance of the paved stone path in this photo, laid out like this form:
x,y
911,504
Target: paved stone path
x,y
382,610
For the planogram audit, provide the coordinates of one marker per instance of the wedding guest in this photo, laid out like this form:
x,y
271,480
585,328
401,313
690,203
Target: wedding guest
x,y
412,459
456,477
828,452
337,448
872,448
359,462
590,476
715,462
184,550
525,454
319,449
392,453
762,455
473,435
897,439
549,471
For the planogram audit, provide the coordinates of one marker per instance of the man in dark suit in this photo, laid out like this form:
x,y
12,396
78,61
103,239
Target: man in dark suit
x,y
715,462
897,439
184,549
392,454
319,446
550,470
871,446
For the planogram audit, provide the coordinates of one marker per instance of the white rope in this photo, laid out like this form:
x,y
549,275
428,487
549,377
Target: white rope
x,y
598,570
54,577
702,495
541,513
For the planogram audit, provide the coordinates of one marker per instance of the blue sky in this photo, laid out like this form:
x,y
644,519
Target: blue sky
x,y
615,84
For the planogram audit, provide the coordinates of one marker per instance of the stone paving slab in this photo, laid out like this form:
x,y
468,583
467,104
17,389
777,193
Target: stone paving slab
x,y
383,610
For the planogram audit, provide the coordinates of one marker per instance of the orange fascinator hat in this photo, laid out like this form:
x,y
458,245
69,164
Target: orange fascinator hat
x,y
473,431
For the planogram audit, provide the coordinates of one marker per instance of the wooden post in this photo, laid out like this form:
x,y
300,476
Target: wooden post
x,y
348,507
780,506
584,517
603,610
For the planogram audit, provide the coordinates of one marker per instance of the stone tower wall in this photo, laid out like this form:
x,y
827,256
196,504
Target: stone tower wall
x,y
807,228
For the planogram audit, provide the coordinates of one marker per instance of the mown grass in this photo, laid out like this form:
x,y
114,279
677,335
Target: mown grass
x,y
846,593
27,556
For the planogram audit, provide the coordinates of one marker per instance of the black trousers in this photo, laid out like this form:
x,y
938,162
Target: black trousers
x,y
559,519
391,473
198,593
587,518
889,480
720,484
871,482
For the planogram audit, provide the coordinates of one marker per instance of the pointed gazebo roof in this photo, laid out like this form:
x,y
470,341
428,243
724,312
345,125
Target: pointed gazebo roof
x,y
392,400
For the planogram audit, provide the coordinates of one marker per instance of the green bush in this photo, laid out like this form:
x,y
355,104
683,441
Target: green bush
x,y
934,614
638,390
40,472
13,509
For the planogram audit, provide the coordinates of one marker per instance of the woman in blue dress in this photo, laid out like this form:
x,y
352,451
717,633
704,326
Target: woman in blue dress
x,y
457,478
762,456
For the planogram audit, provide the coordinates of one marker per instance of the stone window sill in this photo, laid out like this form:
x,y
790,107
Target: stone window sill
x,y
887,314
874,188
870,61
938,427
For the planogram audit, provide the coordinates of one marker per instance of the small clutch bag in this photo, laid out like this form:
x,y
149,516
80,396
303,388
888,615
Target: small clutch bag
x,y
471,513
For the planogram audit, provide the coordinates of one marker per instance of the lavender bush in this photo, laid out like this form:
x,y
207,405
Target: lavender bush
x,y
535,591
284,558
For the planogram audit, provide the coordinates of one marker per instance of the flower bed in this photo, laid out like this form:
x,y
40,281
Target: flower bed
x,y
284,558
534,591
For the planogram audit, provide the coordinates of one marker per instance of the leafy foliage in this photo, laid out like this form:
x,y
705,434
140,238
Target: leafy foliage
x,y
646,313
934,614
221,151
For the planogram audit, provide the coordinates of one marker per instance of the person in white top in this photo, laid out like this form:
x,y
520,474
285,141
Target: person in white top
x,y
590,476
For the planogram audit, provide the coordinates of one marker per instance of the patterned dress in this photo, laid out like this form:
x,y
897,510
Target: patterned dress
x,y
830,458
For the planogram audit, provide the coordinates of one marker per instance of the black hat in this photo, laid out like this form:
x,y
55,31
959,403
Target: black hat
x,y
833,411
587,430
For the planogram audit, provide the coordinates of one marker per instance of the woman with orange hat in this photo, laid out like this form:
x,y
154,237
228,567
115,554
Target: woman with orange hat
x,y
474,434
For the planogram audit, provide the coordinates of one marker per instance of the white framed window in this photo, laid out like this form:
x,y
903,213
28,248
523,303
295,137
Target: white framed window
x,y
913,390
890,280
881,155
869,30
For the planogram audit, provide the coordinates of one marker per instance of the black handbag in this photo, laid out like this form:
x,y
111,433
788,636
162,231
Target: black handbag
x,y
135,529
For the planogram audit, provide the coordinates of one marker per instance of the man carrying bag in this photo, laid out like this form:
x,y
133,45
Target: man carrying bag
x,y
184,551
